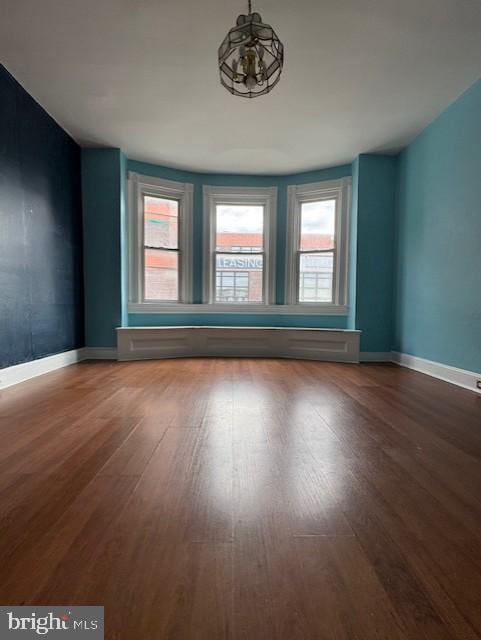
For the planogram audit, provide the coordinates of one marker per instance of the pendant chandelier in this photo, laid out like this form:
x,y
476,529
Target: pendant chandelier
x,y
250,57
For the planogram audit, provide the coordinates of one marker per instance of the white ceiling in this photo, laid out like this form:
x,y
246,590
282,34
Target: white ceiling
x,y
360,76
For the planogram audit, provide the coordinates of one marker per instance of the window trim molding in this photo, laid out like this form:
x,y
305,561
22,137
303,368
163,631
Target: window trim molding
x,y
265,196
138,185
296,195
254,309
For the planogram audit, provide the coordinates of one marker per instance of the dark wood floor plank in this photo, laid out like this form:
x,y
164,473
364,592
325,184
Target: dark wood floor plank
x,y
40,570
464,510
134,454
412,602
242,499
408,567
210,495
442,457
87,459
47,451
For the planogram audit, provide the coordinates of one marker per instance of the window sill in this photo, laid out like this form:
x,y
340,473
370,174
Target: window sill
x,y
252,309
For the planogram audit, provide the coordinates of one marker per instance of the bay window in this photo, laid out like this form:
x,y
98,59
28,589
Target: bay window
x,y
237,263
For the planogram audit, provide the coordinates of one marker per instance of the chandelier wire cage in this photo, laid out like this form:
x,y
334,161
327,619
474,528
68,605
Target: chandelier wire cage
x,y
251,57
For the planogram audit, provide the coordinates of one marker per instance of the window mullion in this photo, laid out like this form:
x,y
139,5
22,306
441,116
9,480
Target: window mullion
x,y
147,246
309,251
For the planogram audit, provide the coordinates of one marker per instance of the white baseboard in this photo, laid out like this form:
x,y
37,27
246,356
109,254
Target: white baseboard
x,y
375,356
459,377
334,345
99,353
271,342
27,370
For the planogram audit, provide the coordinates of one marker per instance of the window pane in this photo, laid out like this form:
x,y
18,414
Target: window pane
x,y
161,219
318,225
315,277
238,278
240,228
161,275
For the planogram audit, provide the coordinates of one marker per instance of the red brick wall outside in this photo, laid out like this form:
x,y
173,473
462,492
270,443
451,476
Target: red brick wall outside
x,y
255,286
161,230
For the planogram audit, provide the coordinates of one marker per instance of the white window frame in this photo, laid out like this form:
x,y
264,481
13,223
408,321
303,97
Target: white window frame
x,y
339,190
138,187
263,196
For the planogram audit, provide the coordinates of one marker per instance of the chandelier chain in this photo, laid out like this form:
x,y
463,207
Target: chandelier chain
x,y
250,7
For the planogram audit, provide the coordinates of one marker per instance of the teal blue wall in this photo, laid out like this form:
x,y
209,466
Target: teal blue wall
x,y
124,256
236,320
374,202
351,321
104,183
438,292
102,187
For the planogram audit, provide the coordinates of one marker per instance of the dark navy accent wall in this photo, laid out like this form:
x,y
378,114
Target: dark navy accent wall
x,y
41,291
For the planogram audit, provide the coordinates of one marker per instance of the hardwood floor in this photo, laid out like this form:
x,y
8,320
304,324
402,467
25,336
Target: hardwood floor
x,y
245,499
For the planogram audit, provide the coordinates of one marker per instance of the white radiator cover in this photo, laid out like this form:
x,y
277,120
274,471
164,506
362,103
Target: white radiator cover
x,y
141,343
